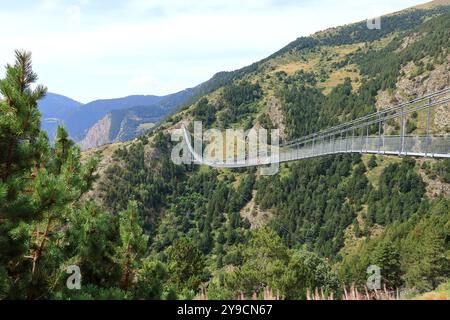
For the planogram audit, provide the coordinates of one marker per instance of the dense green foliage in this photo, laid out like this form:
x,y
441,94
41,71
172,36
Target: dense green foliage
x,y
309,110
267,262
312,201
385,65
416,251
45,227
398,195
238,102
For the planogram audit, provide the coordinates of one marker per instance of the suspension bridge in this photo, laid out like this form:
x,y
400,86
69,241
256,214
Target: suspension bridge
x,y
386,132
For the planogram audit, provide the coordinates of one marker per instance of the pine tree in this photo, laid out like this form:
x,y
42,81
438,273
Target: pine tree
x,y
429,264
133,244
265,259
63,146
186,263
20,143
387,258
152,279
91,244
372,162
19,140
35,189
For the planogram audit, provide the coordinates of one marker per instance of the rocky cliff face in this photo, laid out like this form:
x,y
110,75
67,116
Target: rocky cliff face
x,y
97,135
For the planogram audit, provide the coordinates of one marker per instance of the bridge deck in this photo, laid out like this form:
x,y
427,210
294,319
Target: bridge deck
x,y
354,137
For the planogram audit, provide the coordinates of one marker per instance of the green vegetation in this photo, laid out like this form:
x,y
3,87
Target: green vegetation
x,y
416,251
237,101
384,65
163,231
440,170
44,225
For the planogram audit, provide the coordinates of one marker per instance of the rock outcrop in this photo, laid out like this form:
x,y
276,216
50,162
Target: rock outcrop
x,y
97,135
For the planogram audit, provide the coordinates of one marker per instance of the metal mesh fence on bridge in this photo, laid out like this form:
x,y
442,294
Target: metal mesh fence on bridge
x,y
386,132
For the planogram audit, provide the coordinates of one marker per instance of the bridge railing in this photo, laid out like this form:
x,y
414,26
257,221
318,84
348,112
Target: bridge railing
x,y
423,146
368,134
380,119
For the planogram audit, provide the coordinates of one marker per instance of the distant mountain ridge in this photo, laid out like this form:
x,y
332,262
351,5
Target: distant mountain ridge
x,y
124,117
87,115
127,123
55,108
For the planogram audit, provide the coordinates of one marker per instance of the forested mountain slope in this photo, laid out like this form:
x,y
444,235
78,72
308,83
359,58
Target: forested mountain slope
x,y
351,210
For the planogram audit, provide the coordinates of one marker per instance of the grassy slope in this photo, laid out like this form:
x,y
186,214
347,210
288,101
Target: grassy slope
x,y
441,293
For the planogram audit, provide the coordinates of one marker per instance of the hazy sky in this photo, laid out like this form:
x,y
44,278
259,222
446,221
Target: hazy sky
x,y
91,49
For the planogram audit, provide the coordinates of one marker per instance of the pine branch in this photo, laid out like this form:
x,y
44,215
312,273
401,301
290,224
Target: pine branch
x,y
38,252
9,159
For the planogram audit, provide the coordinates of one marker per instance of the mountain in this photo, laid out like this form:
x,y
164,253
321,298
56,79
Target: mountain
x,y
87,115
77,117
330,217
105,121
57,106
127,123
55,109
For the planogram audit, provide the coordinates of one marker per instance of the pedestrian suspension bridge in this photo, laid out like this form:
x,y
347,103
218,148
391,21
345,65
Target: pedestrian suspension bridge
x,y
385,132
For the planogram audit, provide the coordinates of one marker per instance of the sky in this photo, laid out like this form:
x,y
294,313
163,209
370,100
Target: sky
x,y
97,49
